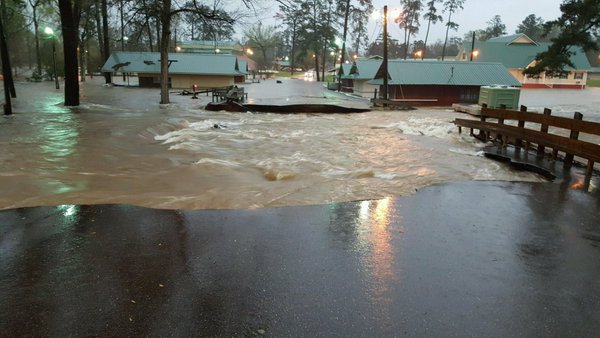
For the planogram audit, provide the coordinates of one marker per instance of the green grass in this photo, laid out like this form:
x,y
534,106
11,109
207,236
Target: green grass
x,y
593,83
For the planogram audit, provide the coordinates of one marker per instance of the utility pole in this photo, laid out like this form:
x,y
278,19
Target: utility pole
x,y
472,47
384,66
122,34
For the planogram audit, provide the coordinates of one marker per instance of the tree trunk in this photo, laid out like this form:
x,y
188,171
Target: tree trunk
x,y
82,63
8,74
38,57
447,30
324,61
6,70
407,45
107,75
99,30
426,36
292,66
344,34
159,32
69,18
405,41
122,28
317,67
149,36
165,22
264,62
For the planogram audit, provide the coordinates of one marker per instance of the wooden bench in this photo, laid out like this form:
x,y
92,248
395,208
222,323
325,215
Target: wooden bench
x,y
521,135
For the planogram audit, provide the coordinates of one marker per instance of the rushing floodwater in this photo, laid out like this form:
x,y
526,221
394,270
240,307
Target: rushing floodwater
x,y
119,146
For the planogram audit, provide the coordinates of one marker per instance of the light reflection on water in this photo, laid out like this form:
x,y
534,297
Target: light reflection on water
x,y
120,146
373,246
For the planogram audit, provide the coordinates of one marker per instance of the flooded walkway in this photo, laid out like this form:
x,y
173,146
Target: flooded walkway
x,y
479,258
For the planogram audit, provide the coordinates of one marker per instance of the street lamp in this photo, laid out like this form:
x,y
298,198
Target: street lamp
x,y
50,33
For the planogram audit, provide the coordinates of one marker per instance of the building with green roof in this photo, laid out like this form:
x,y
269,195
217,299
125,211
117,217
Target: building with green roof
x,y
361,72
441,83
517,52
344,71
185,69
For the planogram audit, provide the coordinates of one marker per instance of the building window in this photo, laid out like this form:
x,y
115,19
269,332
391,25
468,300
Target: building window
x,y
549,76
578,76
563,76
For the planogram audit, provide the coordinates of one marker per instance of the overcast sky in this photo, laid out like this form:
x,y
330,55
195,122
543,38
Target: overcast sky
x,y
475,15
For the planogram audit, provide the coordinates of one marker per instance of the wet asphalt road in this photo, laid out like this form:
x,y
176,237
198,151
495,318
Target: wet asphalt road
x,y
464,259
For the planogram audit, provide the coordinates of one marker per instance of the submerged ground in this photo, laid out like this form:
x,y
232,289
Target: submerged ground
x,y
120,146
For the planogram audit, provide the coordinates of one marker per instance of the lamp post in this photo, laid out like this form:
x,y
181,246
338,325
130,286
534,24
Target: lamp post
x,y
50,33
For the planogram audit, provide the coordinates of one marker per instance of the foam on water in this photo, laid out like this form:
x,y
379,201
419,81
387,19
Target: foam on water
x,y
424,127
217,162
125,148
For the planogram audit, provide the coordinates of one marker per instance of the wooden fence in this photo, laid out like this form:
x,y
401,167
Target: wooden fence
x,y
523,134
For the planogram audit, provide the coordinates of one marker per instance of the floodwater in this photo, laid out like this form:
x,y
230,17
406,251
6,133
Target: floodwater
x,y
121,146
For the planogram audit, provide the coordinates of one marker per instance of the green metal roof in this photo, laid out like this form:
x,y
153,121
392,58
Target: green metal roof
x,y
411,72
518,55
184,63
346,67
507,39
364,69
243,66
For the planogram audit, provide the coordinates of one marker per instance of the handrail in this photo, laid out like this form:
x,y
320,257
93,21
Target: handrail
x,y
588,127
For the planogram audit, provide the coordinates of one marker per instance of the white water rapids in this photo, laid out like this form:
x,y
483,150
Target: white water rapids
x,y
121,147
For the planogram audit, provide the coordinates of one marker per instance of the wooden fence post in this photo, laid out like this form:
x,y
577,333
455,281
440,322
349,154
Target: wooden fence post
x,y
588,174
544,129
482,133
501,121
519,142
574,136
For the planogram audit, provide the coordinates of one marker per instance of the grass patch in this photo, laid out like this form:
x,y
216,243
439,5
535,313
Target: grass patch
x,y
593,83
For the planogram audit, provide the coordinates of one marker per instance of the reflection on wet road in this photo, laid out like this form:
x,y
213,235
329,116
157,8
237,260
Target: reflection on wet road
x,y
490,259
